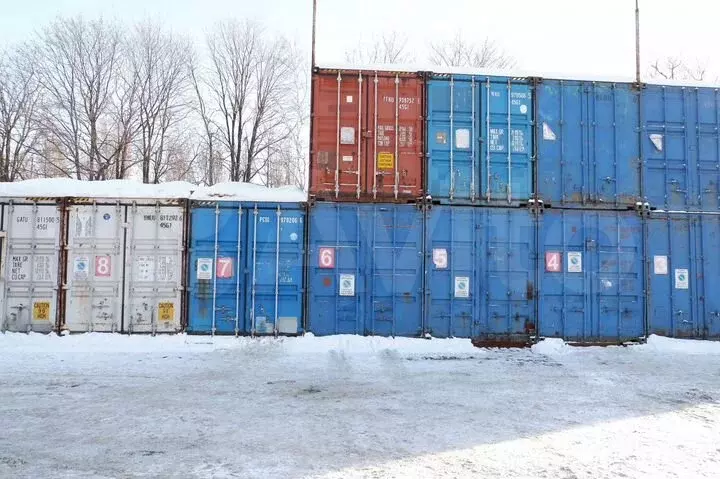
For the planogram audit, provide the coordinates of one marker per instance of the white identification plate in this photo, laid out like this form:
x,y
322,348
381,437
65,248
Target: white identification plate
x,y
661,264
574,262
204,268
440,258
347,285
80,267
462,287
682,280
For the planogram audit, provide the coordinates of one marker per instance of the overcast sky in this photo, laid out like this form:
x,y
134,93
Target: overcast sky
x,y
560,36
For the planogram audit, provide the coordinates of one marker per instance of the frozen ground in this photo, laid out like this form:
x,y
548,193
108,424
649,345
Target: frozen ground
x,y
112,406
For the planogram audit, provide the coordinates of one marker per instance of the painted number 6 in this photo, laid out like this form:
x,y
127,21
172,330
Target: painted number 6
x,y
327,258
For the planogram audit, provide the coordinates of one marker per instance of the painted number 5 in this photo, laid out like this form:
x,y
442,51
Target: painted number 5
x,y
103,266
327,258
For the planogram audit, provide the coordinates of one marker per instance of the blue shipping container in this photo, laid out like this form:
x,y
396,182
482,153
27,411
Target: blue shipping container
x,y
684,271
588,151
592,280
479,139
480,266
680,147
365,269
246,268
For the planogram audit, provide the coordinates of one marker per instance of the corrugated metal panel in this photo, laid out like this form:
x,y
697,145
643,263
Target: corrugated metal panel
x,y
356,153
153,269
246,268
684,271
588,151
680,146
479,142
481,273
124,267
365,269
29,257
94,283
591,275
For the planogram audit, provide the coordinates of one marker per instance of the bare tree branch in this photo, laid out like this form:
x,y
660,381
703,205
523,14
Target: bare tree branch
x,y
389,48
458,52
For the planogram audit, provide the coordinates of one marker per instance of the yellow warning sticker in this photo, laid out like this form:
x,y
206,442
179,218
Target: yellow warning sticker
x,y
41,311
166,312
386,161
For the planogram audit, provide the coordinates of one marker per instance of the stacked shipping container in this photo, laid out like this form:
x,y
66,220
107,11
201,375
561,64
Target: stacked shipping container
x,y
501,209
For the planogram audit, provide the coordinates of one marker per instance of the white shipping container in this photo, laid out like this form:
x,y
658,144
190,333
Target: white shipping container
x,y
124,268
29,252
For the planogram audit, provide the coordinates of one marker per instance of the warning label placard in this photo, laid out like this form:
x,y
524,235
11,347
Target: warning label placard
x,y
166,312
41,311
386,161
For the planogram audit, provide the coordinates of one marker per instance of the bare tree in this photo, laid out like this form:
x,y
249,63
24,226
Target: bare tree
x,y
78,69
244,97
388,48
159,64
458,52
19,100
208,160
675,68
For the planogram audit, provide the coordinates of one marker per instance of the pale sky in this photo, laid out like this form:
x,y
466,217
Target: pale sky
x,y
572,37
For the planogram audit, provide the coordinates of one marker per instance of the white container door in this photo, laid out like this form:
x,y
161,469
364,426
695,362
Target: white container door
x,y
29,267
153,269
95,268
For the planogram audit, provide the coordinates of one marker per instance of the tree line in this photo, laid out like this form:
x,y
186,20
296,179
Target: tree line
x,y
96,100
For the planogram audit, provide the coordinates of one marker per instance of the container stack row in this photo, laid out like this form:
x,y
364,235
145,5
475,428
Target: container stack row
x,y
501,209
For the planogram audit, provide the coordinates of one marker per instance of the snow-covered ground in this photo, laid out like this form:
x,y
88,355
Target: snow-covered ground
x,y
116,406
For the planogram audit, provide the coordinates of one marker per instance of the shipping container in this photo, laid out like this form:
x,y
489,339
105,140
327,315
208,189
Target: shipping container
x,y
124,266
479,139
246,271
365,269
480,266
684,275
587,141
367,135
592,280
681,159
29,261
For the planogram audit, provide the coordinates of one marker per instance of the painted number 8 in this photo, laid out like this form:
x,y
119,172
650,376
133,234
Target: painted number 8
x,y
327,258
102,266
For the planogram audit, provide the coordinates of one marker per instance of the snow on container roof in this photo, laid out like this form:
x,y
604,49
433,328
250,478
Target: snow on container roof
x,y
511,73
249,192
130,189
67,187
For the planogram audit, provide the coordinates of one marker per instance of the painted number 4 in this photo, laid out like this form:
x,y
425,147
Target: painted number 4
x,y
553,262
103,266
327,258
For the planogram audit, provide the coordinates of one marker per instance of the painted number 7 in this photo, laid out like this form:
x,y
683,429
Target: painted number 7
x,y
224,268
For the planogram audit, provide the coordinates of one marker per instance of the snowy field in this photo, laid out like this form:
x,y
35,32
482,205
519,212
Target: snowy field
x,y
115,406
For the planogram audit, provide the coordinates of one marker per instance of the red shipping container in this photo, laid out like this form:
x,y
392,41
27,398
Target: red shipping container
x,y
367,135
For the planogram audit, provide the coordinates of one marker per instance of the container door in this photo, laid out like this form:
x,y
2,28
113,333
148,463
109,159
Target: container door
x,y
708,279
336,285
592,277
561,172
337,129
275,263
96,238
667,146
153,262
394,153
394,255
671,264
507,287
614,164
30,267
452,259
217,280
708,144
453,138
507,140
